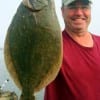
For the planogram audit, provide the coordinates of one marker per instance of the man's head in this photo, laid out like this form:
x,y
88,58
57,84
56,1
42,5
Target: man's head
x,y
76,14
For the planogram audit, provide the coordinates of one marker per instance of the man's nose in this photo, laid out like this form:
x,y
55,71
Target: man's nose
x,y
78,11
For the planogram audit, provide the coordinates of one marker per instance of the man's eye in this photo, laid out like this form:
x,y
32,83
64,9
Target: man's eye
x,y
85,7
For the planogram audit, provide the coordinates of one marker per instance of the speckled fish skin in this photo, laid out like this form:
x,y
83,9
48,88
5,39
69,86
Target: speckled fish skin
x,y
33,46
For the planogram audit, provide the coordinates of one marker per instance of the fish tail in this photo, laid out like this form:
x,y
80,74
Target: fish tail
x,y
27,97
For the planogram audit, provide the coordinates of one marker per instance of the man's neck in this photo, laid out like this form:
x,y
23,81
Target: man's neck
x,y
84,38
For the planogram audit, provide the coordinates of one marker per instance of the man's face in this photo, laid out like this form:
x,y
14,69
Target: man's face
x,y
77,17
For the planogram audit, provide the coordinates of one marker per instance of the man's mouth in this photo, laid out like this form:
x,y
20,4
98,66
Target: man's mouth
x,y
78,18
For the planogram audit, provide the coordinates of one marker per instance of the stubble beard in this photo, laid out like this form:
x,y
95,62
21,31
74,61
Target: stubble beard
x,y
76,30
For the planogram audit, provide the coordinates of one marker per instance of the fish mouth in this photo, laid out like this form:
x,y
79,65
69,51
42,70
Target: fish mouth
x,y
33,10
35,5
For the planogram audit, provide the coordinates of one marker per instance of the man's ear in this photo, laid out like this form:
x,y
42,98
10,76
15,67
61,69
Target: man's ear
x,y
62,10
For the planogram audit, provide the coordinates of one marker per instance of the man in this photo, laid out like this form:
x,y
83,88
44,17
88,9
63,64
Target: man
x,y
79,77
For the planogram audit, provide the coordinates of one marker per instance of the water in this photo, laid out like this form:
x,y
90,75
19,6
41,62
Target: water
x,y
6,81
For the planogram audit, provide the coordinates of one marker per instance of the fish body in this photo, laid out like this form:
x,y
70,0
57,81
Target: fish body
x,y
33,46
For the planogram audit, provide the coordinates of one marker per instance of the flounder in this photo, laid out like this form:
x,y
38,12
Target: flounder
x,y
33,46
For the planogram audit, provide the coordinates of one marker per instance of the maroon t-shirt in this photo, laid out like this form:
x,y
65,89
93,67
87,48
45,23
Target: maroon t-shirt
x,y
79,77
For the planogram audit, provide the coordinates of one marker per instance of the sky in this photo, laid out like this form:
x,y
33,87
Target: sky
x,y
8,9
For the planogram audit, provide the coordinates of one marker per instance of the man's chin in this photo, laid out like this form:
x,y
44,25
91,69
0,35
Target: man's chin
x,y
79,26
79,29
